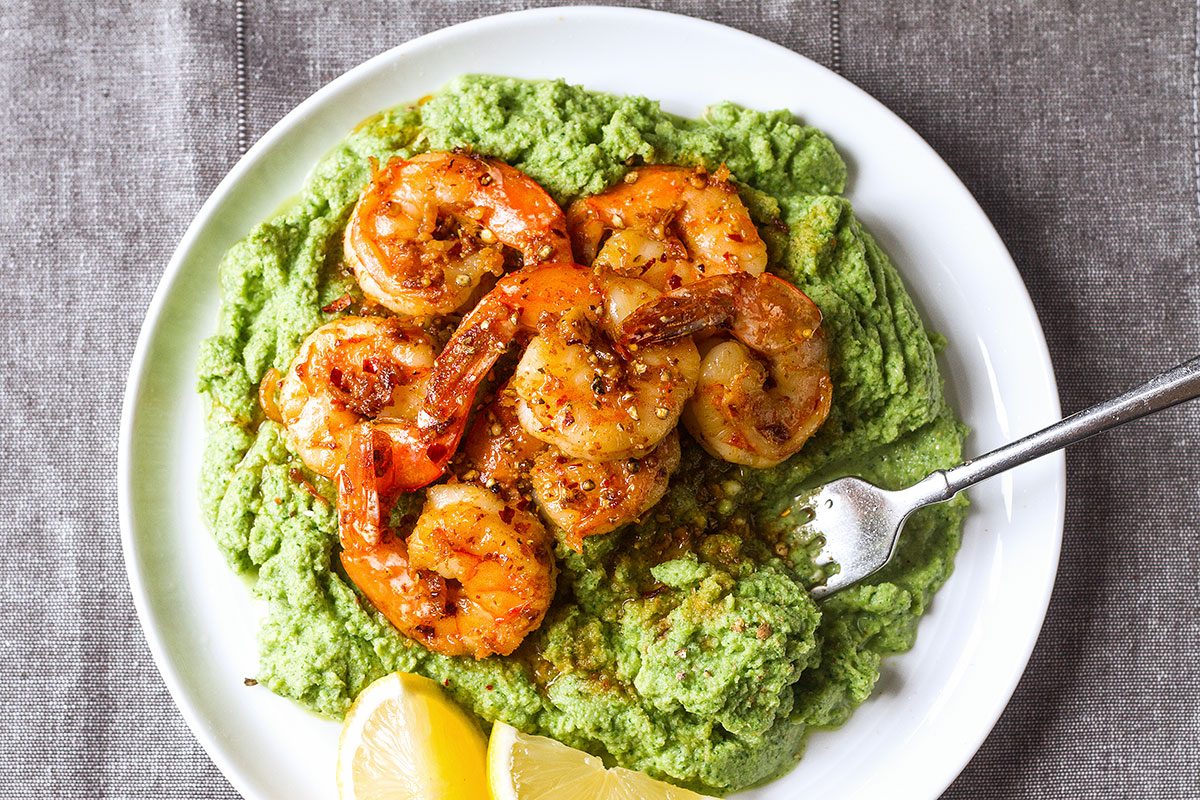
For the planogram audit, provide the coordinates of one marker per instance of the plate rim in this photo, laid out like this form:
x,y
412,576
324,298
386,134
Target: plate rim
x,y
138,361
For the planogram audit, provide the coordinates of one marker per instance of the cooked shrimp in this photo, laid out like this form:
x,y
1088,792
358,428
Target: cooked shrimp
x,y
497,453
474,577
427,230
762,395
582,498
514,309
587,498
347,371
574,389
412,451
669,226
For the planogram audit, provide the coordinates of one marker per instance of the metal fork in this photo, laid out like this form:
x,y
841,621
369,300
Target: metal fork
x,y
861,523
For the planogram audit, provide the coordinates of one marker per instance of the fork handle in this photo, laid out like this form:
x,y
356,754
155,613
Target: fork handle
x,y
1168,389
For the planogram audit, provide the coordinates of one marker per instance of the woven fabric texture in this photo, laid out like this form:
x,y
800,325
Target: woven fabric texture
x,y
1074,124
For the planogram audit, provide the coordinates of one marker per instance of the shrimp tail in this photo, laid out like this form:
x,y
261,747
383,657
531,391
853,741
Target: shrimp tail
x,y
386,459
418,456
483,337
682,313
360,504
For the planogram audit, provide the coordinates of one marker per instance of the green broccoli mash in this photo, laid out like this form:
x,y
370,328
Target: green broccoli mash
x,y
686,645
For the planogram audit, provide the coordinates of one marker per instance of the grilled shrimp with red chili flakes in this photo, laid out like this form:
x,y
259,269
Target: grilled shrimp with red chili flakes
x,y
574,388
764,385
579,497
349,372
669,226
473,577
427,230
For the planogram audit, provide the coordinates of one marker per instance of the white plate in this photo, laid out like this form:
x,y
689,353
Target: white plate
x,y
933,706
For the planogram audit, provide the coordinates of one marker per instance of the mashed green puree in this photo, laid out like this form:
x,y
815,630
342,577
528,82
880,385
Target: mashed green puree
x,y
686,645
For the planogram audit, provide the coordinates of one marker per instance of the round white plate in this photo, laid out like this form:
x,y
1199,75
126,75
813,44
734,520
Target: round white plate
x,y
932,707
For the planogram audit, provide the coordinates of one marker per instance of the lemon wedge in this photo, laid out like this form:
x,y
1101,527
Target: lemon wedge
x,y
403,739
526,767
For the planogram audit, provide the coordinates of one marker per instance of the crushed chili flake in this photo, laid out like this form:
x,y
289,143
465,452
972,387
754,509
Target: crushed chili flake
x,y
341,304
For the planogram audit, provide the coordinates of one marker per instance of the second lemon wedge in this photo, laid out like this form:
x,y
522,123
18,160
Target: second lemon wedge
x,y
526,767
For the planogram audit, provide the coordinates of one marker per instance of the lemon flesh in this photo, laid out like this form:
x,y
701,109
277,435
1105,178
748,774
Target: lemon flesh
x,y
403,739
526,767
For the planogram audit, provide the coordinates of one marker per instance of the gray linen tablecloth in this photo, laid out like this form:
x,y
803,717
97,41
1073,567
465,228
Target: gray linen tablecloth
x,y
1073,123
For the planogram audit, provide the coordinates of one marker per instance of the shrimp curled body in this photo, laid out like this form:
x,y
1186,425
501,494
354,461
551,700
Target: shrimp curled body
x,y
586,498
669,226
426,231
574,389
579,497
763,393
473,577
347,371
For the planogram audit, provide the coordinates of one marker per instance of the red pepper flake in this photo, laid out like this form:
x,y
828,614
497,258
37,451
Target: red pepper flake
x,y
446,682
489,687
341,304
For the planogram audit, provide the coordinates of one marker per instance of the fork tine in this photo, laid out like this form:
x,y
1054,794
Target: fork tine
x,y
861,524
858,524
